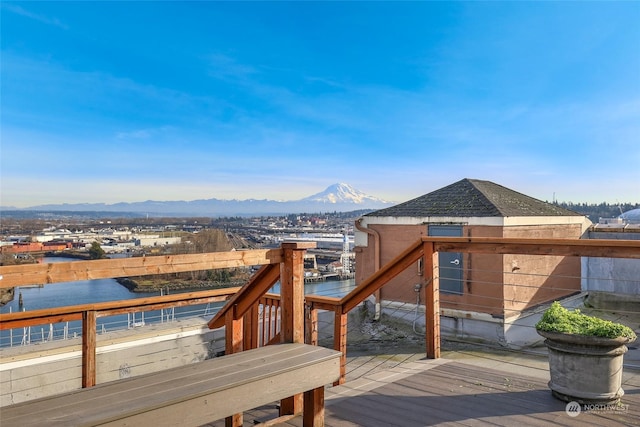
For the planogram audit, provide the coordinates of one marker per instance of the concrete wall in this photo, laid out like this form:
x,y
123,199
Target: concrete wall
x,y
620,276
30,372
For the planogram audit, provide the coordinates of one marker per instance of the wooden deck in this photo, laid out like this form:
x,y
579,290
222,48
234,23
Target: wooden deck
x,y
496,389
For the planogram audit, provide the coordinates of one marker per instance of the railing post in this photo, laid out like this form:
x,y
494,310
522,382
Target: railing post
x,y
292,293
88,348
233,334
312,325
233,344
292,302
340,341
432,301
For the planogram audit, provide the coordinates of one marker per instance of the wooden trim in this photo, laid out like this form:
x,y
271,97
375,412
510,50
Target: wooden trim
x,y
40,274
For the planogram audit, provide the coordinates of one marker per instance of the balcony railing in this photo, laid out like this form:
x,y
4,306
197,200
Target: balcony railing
x,y
252,316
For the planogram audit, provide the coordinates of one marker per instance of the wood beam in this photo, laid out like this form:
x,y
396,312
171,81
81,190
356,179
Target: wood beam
x,y
293,310
313,414
311,325
40,274
110,308
431,301
89,349
233,336
382,276
556,247
321,302
249,294
234,333
251,322
340,342
292,295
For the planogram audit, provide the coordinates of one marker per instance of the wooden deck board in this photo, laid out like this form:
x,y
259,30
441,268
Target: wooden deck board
x,y
459,394
490,396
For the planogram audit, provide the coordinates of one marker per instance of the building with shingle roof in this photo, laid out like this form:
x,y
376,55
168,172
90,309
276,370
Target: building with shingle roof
x,y
473,198
492,285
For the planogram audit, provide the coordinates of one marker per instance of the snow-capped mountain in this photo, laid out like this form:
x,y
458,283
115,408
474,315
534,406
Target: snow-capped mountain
x,y
336,197
342,193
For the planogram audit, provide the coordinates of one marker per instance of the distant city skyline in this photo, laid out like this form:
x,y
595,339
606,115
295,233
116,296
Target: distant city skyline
x,y
108,102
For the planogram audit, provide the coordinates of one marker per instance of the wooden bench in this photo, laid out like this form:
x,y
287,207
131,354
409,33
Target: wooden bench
x,y
192,395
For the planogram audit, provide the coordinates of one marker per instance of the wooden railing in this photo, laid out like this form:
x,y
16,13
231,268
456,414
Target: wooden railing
x,y
89,313
254,318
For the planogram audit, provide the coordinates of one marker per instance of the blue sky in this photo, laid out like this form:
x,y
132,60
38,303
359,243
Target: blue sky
x,y
133,101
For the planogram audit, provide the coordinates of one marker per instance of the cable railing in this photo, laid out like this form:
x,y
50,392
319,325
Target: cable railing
x,y
44,333
39,334
256,316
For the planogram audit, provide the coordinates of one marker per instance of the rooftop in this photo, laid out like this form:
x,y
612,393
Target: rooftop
x,y
473,198
469,385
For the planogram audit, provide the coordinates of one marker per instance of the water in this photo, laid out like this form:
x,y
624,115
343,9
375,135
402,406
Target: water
x,y
70,293
102,290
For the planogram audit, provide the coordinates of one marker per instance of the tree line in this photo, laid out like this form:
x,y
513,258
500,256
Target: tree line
x,y
601,210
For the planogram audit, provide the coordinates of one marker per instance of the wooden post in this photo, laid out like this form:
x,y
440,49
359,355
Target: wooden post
x,y
312,325
233,333
88,348
233,336
292,293
313,414
292,302
432,301
340,341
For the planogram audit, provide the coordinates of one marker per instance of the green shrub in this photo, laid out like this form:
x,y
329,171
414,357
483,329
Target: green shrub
x,y
559,319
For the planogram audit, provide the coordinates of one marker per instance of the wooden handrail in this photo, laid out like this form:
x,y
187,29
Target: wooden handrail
x,y
110,308
40,274
556,247
248,295
382,276
274,263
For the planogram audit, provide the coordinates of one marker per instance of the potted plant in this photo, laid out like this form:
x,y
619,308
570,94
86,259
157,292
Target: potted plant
x,y
585,355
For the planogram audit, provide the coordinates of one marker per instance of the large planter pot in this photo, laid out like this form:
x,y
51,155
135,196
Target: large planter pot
x,y
585,369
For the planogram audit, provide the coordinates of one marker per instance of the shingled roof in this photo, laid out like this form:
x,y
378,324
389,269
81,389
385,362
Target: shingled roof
x,y
473,198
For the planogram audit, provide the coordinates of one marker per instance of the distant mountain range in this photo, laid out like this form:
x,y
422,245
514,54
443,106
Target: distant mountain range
x,y
337,197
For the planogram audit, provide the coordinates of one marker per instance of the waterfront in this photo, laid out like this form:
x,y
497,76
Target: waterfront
x,y
101,290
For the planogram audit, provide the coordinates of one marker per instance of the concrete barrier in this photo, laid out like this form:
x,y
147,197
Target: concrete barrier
x,y
39,370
